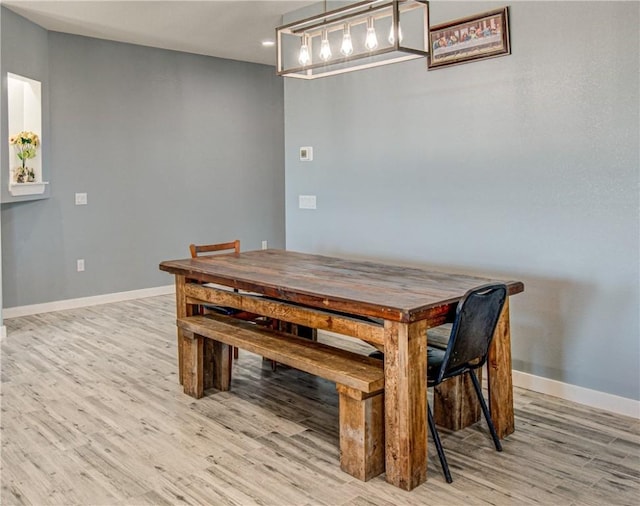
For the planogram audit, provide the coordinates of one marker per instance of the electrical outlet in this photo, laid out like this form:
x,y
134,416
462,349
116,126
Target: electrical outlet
x,y
306,154
81,199
80,264
264,245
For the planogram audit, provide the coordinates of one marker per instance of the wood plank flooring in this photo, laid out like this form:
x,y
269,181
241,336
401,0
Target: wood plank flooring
x,y
92,414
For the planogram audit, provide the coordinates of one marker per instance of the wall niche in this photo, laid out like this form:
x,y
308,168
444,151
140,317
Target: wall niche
x,y
24,101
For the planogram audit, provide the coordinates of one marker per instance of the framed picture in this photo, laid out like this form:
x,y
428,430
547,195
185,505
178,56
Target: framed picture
x,y
468,39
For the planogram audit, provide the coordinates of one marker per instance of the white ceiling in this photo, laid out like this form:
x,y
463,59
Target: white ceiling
x,y
231,29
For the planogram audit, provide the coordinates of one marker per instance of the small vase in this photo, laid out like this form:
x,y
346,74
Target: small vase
x,y
19,175
24,175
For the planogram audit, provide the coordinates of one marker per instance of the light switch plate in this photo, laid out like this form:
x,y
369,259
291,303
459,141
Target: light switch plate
x,y
306,154
81,199
307,201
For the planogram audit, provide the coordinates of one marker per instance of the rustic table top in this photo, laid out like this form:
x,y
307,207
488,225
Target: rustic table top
x,y
359,287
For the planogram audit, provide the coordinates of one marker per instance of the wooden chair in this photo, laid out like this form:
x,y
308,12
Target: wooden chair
x,y
213,249
298,330
196,250
466,351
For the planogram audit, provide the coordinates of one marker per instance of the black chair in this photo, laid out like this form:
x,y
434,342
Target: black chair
x,y
476,319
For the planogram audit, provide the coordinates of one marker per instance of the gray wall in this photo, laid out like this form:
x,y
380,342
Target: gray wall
x,y
24,52
171,148
521,167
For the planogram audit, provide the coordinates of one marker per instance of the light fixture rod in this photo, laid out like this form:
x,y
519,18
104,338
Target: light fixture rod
x,y
336,25
395,21
330,14
329,23
364,14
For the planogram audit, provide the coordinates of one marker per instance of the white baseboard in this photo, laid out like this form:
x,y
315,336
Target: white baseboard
x,y
581,395
61,305
3,331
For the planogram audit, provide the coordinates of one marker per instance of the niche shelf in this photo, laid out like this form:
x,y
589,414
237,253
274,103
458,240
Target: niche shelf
x,y
21,189
24,100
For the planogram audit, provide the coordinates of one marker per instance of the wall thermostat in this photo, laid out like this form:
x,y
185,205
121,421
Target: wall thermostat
x,y
306,154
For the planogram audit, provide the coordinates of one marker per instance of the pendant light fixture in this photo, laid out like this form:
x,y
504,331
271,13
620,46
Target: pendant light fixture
x,y
353,38
392,37
347,46
304,57
325,47
371,41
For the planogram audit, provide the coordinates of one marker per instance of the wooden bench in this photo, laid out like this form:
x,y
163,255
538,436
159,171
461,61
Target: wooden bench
x,y
359,379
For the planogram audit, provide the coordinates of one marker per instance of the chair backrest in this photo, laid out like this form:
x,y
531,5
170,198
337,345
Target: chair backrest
x,y
196,250
476,319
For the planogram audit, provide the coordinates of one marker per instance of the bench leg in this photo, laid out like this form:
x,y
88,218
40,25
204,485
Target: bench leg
x,y
209,364
361,433
455,403
206,364
192,364
222,360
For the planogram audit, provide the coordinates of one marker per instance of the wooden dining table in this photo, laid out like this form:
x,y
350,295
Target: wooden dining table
x,y
388,306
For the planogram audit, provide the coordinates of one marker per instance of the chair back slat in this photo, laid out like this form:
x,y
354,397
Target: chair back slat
x,y
472,332
196,250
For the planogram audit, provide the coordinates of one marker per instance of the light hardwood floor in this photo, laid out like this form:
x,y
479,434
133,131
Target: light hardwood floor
x,y
92,414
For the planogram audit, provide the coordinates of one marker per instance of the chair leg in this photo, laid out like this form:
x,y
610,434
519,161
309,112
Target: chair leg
x,y
235,353
485,410
436,440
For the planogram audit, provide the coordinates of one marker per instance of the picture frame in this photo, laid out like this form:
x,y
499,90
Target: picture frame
x,y
473,38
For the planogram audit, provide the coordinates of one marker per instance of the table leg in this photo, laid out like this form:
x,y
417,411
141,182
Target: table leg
x,y
500,376
181,312
405,371
455,403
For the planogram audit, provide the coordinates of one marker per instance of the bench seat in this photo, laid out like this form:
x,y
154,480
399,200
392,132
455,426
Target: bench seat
x,y
359,379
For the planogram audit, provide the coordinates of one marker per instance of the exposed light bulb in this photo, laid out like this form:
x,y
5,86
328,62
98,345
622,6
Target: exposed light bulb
x,y
304,57
371,42
347,45
392,38
325,47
